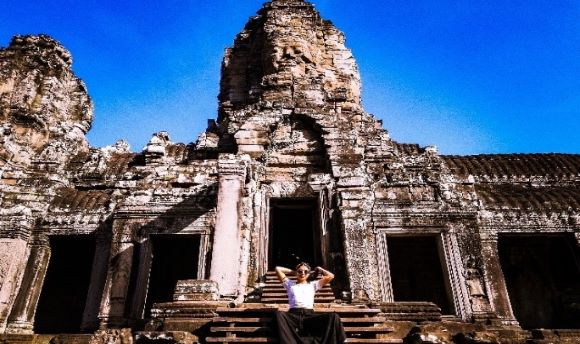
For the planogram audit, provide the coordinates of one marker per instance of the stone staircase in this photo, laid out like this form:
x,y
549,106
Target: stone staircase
x,y
274,292
45,338
255,323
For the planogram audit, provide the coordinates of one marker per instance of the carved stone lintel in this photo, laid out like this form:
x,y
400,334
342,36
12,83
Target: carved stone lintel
x,y
231,165
16,226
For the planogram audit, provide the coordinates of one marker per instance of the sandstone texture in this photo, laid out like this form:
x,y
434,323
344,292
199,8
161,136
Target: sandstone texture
x,y
291,137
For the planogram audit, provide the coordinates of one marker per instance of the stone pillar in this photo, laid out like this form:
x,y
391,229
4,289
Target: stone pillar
x,y
14,251
359,244
21,319
112,312
495,280
98,275
225,267
143,272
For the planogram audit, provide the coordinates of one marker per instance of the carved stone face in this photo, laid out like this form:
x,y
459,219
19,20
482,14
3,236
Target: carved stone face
x,y
290,52
287,58
43,105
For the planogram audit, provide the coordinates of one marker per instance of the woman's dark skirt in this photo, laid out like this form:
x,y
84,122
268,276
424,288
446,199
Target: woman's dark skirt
x,y
300,325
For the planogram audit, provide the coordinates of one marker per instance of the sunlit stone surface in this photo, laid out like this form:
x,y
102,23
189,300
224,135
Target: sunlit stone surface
x,y
175,243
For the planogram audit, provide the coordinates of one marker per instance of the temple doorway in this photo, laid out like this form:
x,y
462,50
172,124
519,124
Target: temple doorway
x,y
64,292
294,233
417,272
174,257
543,279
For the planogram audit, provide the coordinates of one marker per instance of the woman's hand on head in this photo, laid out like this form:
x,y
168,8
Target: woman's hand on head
x,y
327,276
281,273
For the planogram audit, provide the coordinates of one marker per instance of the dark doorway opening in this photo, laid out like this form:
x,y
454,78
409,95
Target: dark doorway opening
x,y
294,233
417,272
543,279
64,292
174,258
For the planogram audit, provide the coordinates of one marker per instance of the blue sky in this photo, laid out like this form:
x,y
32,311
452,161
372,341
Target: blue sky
x,y
472,76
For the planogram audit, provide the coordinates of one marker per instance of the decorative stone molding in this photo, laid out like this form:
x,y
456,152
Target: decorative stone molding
x,y
196,290
231,165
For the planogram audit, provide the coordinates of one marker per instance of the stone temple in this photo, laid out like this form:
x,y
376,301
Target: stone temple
x,y
177,243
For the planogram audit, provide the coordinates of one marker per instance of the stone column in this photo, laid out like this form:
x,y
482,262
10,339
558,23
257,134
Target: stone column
x,y
21,319
98,274
112,312
495,280
359,243
143,272
225,267
14,251
454,265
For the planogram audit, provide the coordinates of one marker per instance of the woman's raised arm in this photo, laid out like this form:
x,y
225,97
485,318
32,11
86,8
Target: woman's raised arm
x,y
281,272
327,276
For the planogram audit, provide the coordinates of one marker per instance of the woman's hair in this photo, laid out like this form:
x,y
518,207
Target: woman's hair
x,y
303,264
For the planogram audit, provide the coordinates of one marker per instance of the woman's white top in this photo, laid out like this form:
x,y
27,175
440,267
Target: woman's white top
x,y
301,295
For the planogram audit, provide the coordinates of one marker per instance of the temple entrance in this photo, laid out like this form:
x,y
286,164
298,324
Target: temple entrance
x,y
294,233
174,258
64,292
417,272
543,279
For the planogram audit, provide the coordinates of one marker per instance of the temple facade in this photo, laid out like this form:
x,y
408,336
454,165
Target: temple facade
x,y
120,244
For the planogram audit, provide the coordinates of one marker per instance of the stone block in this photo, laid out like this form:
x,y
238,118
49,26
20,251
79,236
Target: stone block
x,y
167,336
196,290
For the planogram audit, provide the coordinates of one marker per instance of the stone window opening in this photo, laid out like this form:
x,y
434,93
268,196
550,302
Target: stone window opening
x,y
542,274
418,272
443,259
294,232
64,294
172,258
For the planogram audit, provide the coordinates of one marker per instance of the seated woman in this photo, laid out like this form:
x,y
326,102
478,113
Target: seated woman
x,y
300,324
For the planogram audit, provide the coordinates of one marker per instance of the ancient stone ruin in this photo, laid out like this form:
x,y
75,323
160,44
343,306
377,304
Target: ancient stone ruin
x,y
176,243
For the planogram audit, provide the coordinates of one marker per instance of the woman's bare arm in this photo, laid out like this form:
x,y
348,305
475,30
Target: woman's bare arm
x,y
327,276
281,272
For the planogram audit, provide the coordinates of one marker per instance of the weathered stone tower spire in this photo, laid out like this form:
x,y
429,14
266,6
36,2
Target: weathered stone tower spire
x,y
287,57
44,108
289,76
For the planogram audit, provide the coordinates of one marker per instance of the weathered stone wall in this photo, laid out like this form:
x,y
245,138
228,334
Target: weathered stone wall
x,y
290,125
53,183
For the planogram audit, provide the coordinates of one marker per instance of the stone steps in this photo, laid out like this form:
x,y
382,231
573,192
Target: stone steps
x,y
275,340
318,299
282,292
72,338
241,340
274,292
253,329
254,323
268,320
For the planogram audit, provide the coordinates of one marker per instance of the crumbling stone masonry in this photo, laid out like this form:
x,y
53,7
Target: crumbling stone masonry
x,y
293,168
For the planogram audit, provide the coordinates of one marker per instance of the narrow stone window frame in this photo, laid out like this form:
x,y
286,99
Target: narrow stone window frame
x,y
523,232
453,272
321,188
139,299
